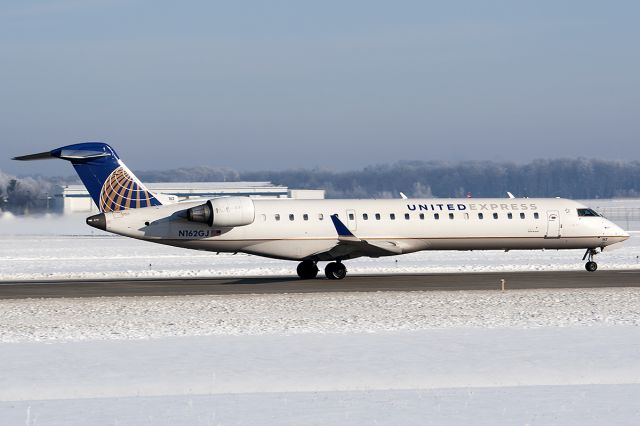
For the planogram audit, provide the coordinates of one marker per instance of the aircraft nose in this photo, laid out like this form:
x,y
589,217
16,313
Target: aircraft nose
x,y
98,221
616,231
624,234
620,232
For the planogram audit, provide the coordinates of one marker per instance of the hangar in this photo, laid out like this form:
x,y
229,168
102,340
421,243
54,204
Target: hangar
x,y
75,198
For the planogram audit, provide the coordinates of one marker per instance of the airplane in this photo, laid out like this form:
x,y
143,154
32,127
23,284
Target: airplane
x,y
331,230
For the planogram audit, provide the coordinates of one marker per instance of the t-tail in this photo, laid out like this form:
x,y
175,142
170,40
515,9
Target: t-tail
x,y
110,183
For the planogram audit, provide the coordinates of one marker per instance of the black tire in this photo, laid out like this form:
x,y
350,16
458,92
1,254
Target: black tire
x,y
591,266
307,270
335,271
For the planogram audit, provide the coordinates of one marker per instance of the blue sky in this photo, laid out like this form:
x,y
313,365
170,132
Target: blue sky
x,y
331,84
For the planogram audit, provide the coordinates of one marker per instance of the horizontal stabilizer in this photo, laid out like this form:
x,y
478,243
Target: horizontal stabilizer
x,y
39,156
65,154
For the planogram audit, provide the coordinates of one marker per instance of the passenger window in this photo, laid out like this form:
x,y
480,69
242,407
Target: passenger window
x,y
351,216
536,216
521,215
305,216
436,216
510,215
291,217
365,216
450,215
421,216
277,216
406,216
377,216
495,215
480,216
320,216
392,216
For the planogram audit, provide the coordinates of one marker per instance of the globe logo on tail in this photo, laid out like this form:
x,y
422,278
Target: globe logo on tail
x,y
122,191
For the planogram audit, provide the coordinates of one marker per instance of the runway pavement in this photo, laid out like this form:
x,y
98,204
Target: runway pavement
x,y
265,285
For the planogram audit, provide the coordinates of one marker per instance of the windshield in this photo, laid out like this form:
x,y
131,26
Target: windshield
x,y
587,212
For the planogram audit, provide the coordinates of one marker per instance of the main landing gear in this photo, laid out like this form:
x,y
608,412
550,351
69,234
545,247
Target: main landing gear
x,y
590,266
335,271
309,269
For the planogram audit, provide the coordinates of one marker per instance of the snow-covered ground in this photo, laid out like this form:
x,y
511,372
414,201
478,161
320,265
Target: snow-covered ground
x,y
27,320
470,357
559,376
65,248
537,357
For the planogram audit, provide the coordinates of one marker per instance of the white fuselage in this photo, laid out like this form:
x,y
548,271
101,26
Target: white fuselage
x,y
303,229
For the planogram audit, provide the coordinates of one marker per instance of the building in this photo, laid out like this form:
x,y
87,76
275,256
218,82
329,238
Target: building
x,y
75,198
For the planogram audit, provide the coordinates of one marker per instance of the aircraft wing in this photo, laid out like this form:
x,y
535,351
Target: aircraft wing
x,y
351,246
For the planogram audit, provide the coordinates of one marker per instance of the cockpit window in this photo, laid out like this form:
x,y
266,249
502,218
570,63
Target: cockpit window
x,y
587,212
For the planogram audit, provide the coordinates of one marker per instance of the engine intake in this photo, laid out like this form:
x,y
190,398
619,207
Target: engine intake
x,y
228,211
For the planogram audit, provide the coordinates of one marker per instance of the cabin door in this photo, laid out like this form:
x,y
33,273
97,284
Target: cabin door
x,y
553,224
351,220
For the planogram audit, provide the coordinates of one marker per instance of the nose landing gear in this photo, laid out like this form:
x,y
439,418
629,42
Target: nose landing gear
x,y
590,266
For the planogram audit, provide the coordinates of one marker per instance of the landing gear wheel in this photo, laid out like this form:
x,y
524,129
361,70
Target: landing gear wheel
x,y
335,271
307,270
590,266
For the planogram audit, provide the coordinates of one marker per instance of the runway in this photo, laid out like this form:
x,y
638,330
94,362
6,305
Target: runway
x,y
267,285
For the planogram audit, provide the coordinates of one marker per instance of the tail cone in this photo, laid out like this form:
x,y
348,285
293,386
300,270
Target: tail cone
x,y
98,221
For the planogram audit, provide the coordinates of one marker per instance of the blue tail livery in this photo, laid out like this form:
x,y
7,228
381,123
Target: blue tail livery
x,y
110,183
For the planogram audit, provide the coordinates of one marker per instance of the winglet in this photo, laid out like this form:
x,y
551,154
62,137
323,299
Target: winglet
x,y
341,229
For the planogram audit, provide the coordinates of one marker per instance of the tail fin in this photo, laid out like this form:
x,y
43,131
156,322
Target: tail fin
x,y
111,184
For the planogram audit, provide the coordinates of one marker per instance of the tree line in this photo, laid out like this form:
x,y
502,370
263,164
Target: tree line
x,y
570,178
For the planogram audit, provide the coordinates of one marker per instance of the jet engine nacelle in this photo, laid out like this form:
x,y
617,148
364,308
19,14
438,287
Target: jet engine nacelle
x,y
227,211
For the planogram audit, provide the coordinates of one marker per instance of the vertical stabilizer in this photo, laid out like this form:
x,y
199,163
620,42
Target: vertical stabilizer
x,y
110,183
